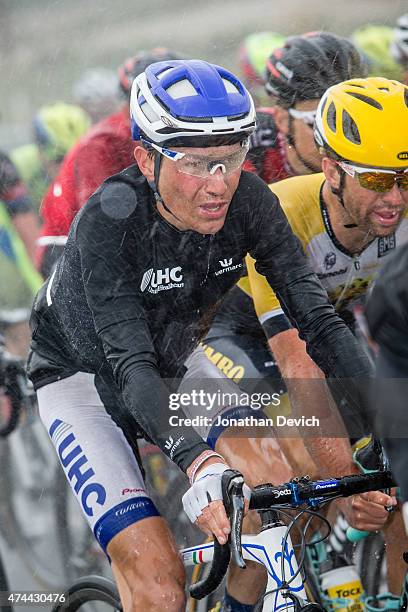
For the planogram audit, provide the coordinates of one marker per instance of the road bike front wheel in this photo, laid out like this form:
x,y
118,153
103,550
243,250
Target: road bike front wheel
x,y
91,594
4,587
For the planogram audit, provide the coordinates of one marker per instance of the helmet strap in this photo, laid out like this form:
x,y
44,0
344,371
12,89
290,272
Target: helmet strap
x,y
338,192
154,183
291,142
155,186
157,163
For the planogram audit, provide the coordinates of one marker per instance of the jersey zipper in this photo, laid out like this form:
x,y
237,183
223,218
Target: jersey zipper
x,y
208,260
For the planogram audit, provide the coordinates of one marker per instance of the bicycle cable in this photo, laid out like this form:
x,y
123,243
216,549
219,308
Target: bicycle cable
x,y
282,510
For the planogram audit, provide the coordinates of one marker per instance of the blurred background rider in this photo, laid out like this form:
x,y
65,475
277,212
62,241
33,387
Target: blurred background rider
x,y
56,128
96,91
105,150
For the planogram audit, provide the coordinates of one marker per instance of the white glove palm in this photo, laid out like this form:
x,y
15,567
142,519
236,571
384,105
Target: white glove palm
x,y
205,489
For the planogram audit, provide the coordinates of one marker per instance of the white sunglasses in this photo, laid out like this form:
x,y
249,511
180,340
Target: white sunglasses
x,y
203,166
307,117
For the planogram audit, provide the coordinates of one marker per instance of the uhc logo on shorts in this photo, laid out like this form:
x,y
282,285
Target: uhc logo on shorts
x,y
76,465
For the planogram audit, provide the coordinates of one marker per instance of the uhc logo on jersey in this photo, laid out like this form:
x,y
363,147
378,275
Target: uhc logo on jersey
x,y
385,244
161,280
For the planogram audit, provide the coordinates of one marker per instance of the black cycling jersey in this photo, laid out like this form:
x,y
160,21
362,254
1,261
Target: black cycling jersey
x,y
266,157
236,315
387,306
387,318
132,295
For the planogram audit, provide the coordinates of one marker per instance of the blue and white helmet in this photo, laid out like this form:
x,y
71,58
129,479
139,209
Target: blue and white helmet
x,y
190,103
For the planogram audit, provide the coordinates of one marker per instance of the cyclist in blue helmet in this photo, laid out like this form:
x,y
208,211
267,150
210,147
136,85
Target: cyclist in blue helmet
x,y
166,102
148,257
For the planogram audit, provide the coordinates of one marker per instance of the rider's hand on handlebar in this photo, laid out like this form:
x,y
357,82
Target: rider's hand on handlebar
x,y
366,511
203,501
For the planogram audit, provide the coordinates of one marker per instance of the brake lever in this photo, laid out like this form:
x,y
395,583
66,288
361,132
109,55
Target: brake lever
x,y
234,501
386,466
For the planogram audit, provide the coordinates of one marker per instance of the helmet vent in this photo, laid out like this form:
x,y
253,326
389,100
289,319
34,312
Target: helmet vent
x,y
163,73
230,87
149,112
331,117
366,99
181,89
196,119
323,107
248,126
406,96
350,128
236,117
170,130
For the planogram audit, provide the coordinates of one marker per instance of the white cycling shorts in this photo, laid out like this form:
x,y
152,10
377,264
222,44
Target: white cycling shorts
x,y
95,456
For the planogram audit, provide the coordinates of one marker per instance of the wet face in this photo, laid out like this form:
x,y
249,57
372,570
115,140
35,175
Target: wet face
x,y
376,213
197,203
301,132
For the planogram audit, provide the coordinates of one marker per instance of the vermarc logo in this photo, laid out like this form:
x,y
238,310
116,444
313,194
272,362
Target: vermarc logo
x,y
172,446
225,262
226,266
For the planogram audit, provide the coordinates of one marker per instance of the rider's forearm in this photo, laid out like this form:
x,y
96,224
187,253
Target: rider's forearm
x,y
310,397
328,445
147,402
333,456
305,382
291,356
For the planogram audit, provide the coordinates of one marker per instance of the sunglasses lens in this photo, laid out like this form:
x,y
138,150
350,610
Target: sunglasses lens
x,y
377,181
403,181
205,166
308,117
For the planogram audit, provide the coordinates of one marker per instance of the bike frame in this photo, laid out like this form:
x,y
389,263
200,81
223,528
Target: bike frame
x,y
265,548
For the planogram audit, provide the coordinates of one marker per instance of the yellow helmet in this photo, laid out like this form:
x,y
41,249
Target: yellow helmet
x,y
365,121
58,126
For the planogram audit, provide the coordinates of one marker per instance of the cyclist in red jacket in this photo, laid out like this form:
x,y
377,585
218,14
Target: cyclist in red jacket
x,y
105,150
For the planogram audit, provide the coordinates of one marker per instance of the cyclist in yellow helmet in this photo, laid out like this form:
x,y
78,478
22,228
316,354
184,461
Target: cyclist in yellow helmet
x,y
349,219
347,114
56,129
